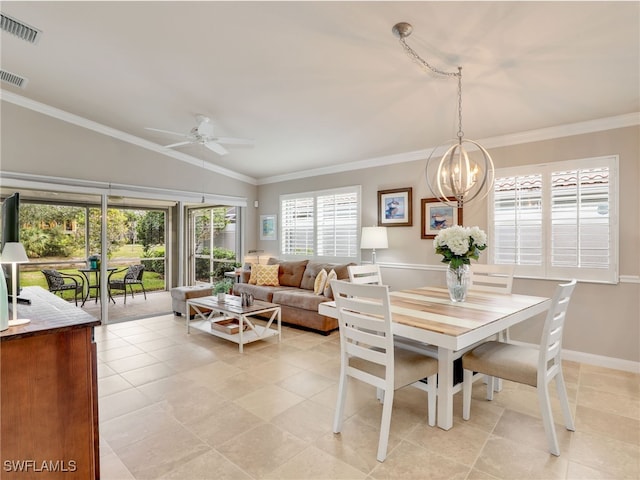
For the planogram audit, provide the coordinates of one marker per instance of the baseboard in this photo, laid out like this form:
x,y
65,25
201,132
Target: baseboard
x,y
595,360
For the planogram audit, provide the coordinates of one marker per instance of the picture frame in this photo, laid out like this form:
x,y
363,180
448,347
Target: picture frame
x,y
268,227
395,207
436,215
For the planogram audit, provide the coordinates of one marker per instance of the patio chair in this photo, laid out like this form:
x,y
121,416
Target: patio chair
x,y
133,276
63,282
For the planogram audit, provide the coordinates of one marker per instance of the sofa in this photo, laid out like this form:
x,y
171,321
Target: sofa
x,y
297,290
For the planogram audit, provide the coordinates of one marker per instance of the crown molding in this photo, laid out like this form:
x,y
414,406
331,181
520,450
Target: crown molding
x,y
117,134
569,130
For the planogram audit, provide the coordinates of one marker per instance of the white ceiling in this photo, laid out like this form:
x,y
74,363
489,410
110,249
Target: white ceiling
x,y
321,84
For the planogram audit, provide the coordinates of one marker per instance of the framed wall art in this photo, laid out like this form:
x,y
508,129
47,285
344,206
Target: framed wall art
x,y
268,227
436,215
395,207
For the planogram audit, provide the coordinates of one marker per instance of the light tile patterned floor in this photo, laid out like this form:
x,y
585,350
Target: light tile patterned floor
x,y
190,407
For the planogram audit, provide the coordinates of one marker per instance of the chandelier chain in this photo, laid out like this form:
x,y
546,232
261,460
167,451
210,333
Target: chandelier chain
x,y
412,53
460,132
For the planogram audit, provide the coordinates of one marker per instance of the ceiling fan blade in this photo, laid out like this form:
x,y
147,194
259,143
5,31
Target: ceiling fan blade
x,y
216,147
167,131
177,144
234,141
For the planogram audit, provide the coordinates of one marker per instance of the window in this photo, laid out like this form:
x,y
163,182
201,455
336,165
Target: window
x,y
322,224
557,220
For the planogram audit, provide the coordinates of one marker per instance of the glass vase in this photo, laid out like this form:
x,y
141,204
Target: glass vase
x,y
458,282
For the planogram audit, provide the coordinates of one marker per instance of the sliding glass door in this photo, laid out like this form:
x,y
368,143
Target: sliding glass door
x,y
213,243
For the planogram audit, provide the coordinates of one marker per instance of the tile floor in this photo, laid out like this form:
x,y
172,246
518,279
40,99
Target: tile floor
x,y
178,406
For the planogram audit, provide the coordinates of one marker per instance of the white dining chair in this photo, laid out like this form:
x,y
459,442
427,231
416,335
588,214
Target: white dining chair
x,y
365,274
527,365
367,354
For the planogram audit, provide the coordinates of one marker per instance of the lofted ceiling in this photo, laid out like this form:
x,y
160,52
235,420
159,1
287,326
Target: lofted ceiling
x,y
322,84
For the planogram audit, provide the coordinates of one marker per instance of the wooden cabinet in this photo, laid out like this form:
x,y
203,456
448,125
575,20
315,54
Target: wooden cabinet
x,y
48,392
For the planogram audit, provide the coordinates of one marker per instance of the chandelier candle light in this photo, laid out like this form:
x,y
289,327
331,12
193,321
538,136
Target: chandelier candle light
x,y
458,178
459,245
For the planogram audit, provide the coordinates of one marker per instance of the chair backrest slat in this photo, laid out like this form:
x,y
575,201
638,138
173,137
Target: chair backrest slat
x,y
491,278
365,274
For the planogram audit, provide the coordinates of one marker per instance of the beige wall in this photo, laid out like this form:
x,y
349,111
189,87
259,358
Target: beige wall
x,y
603,319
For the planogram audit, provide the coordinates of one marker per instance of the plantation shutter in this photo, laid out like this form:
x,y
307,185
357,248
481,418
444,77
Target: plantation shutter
x,y
580,220
337,224
297,226
518,232
557,220
322,225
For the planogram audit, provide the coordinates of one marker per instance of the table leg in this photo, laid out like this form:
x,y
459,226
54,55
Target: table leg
x,y
445,388
241,326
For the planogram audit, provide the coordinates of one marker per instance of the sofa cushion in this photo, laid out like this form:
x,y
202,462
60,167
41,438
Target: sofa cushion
x,y
259,292
267,275
313,268
303,299
290,273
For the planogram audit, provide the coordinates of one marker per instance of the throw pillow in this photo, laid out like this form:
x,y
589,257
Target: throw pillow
x,y
252,278
321,280
327,288
267,275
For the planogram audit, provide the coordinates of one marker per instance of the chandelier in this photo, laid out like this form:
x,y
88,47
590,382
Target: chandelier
x,y
459,178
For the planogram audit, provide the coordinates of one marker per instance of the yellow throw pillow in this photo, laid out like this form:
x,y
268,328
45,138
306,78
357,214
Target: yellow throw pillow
x,y
252,278
327,288
321,280
267,275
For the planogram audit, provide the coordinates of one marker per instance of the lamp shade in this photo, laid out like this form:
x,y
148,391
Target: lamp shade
x,y
374,237
13,252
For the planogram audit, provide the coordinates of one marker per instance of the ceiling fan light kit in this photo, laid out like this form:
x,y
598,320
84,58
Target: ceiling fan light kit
x,y
203,134
458,179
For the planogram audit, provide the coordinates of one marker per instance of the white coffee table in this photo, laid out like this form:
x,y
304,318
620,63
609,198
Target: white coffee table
x,y
206,313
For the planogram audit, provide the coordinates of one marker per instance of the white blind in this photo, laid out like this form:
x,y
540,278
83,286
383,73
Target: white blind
x,y
337,224
297,216
557,220
518,220
322,224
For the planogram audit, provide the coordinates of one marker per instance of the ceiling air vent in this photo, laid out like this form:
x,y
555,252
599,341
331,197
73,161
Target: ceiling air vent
x,y
19,29
13,79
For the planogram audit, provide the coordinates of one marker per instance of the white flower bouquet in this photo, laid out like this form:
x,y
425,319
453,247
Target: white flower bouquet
x,y
459,245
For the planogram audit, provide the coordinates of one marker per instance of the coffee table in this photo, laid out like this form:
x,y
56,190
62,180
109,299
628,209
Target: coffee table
x,y
211,314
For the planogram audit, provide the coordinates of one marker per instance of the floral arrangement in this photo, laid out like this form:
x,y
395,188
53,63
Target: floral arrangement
x,y
460,244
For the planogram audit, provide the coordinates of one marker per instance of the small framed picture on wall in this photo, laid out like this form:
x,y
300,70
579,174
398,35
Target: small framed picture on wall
x,y
395,207
436,215
268,227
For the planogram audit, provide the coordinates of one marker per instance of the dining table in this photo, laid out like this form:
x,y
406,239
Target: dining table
x,y
426,319
86,272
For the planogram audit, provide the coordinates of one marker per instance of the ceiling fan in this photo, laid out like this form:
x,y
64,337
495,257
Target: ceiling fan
x,y
203,134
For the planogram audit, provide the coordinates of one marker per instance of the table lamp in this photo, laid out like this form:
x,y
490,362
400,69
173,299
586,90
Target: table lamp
x,y
374,237
14,253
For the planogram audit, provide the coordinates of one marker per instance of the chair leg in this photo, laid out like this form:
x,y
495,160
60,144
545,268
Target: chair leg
x,y
385,425
564,402
547,418
144,291
467,384
342,396
490,386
